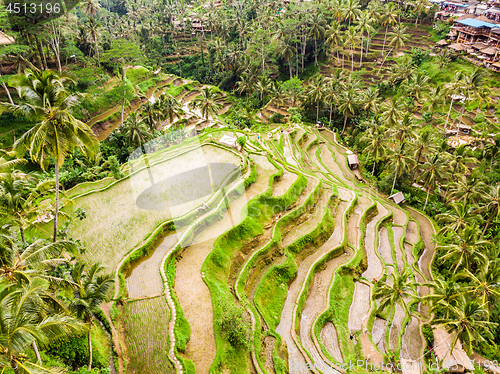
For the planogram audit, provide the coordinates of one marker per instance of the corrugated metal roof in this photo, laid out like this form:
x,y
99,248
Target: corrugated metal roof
x,y
476,23
398,198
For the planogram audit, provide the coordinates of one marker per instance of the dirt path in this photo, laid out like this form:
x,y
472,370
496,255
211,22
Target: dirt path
x,y
375,267
145,278
114,335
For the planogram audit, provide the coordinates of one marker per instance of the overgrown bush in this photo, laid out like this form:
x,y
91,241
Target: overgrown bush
x,y
235,325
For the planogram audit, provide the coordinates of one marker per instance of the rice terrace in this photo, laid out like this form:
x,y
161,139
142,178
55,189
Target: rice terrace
x,y
250,187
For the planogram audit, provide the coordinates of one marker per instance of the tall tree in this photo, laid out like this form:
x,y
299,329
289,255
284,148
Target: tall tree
x,y
207,102
46,101
91,291
434,170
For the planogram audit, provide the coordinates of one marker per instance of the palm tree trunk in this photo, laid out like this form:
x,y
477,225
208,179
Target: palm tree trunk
x,y
449,112
330,121
487,225
426,199
345,121
352,57
56,202
37,354
361,59
373,169
290,67
385,38
317,112
97,52
394,181
21,230
416,22
315,52
7,90
383,62
89,367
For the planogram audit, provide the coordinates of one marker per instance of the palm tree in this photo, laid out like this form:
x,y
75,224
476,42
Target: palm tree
x,y
416,84
398,158
466,188
316,30
405,128
433,170
287,51
93,31
348,100
149,115
397,41
168,107
388,17
135,130
315,91
400,290
375,139
434,99
90,7
351,37
490,204
460,158
263,86
418,7
458,218
471,84
333,37
207,102
91,291
24,319
351,11
46,100
391,111
484,284
465,248
454,89
19,196
470,322
424,143
445,295
364,26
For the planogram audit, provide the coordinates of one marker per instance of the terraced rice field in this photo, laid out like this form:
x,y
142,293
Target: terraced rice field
x,y
293,251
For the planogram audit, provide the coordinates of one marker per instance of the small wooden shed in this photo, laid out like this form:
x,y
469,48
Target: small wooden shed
x,y
353,161
397,198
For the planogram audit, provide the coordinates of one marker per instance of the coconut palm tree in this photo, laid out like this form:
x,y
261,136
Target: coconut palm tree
x,y
465,249
424,144
418,7
444,295
207,102
466,188
135,130
399,160
435,99
417,83
94,33
348,102
457,218
91,291
388,18
391,111
333,37
149,115
471,84
375,143
490,204
168,108
350,11
434,170
460,158
287,51
454,89
365,22
351,38
24,319
469,321
405,128
315,92
46,101
317,30
263,86
485,283
19,198
397,41
400,290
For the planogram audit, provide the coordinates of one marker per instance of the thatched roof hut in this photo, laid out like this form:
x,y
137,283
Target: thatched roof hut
x,y
456,361
456,47
489,51
442,42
